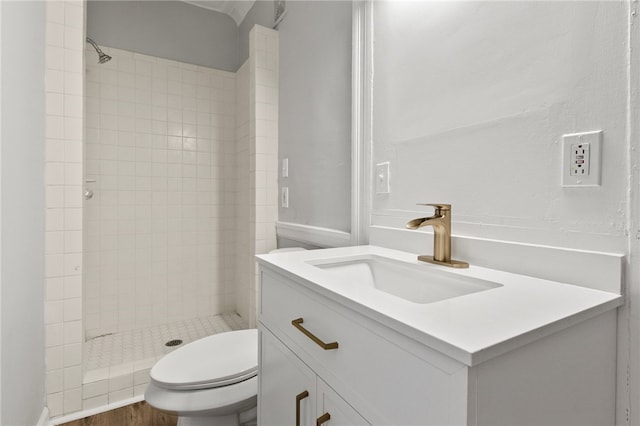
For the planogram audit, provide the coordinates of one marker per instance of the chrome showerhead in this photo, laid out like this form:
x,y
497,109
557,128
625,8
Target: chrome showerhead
x,y
102,57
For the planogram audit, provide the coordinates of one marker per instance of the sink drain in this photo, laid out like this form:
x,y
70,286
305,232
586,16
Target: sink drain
x,y
174,342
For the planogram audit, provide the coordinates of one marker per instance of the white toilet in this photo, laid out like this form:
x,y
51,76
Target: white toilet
x,y
212,381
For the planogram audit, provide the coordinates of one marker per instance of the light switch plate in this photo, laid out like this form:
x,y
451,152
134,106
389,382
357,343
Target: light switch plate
x,y
581,159
382,178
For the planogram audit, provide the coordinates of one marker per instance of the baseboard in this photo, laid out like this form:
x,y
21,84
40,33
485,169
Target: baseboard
x,y
93,411
44,417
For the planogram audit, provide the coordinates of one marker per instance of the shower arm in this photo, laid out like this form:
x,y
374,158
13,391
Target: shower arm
x,y
102,57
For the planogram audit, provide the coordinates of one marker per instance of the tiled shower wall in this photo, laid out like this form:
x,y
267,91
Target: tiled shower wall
x,y
263,151
256,174
156,132
241,246
256,164
194,187
63,179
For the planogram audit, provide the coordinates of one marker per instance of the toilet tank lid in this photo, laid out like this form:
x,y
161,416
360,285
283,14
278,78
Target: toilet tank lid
x,y
214,361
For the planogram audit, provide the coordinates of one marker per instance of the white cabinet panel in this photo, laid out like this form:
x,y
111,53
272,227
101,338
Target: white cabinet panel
x,y
342,414
356,363
290,393
283,377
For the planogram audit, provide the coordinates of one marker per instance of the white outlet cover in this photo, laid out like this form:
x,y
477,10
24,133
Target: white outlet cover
x,y
382,178
593,177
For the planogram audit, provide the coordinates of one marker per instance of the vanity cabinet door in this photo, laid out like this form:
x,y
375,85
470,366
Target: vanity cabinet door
x,y
332,406
286,385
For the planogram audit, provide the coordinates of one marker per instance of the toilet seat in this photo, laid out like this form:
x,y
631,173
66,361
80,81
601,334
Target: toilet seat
x,y
212,362
206,402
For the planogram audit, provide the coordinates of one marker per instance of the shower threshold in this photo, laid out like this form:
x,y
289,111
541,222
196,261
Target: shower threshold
x,y
118,364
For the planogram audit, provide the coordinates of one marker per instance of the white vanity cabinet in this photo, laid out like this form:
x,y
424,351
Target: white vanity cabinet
x,y
292,394
381,374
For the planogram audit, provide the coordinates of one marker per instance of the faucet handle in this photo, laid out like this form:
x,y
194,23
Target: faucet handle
x,y
446,207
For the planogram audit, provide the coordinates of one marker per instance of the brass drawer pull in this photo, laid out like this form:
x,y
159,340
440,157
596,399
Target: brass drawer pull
x,y
297,323
323,418
299,397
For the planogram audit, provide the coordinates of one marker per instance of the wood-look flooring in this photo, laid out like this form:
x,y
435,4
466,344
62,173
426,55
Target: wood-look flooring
x,y
138,414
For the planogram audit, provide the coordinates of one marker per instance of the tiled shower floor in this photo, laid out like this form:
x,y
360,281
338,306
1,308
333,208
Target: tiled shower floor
x,y
117,365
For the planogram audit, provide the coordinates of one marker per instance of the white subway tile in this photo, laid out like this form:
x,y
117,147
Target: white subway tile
x,y
53,359
73,81
95,402
73,309
120,395
95,388
54,381
72,377
72,287
53,335
55,12
53,314
72,332
72,400
54,150
72,355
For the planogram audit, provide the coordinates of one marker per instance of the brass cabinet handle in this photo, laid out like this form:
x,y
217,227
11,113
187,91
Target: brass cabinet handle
x,y
297,323
299,397
323,418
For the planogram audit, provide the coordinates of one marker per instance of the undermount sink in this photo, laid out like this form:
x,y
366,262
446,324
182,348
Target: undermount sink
x,y
411,282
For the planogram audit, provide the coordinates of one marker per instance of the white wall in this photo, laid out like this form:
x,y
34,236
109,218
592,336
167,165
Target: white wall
x,y
22,215
471,100
315,112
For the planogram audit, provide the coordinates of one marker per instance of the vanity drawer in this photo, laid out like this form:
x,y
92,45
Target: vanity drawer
x,y
365,367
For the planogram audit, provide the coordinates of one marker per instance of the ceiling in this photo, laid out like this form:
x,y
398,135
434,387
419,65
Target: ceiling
x,y
237,9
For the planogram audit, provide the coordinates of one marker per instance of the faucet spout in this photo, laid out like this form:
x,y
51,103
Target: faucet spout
x,y
441,222
421,221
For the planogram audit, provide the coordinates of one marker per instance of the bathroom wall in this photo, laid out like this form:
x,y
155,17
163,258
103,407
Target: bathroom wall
x,y
167,29
22,383
470,102
156,137
63,156
315,113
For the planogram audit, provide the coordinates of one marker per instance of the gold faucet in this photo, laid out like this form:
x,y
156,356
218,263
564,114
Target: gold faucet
x,y
441,222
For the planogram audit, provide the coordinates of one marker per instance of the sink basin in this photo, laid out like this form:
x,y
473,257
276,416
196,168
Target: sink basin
x,y
411,282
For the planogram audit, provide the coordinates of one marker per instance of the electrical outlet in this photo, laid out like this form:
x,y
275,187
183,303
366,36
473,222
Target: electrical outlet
x,y
581,159
285,197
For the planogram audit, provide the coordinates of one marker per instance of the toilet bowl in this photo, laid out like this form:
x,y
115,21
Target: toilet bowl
x,y
212,381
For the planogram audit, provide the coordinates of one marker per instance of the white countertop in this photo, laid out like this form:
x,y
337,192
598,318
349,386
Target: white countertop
x,y
471,328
